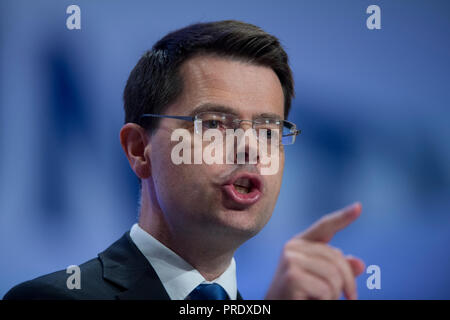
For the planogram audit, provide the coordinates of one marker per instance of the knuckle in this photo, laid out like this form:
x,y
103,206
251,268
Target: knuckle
x,y
289,260
324,222
294,244
338,252
330,219
288,246
291,249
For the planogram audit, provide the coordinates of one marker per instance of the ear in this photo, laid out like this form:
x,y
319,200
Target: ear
x,y
134,140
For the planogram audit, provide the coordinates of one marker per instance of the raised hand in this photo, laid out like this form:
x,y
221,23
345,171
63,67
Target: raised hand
x,y
310,268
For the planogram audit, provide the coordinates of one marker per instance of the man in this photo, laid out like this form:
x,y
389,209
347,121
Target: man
x,y
221,75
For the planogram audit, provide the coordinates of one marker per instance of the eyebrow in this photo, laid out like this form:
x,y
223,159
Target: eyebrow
x,y
214,107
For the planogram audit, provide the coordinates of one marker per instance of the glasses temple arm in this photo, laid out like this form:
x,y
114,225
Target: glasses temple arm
x,y
295,133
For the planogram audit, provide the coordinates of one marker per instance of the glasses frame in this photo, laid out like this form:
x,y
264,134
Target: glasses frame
x,y
292,126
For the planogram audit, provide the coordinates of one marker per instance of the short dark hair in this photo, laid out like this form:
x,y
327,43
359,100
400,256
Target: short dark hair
x,y
155,81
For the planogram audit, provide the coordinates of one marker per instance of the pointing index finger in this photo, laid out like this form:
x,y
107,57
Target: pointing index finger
x,y
326,227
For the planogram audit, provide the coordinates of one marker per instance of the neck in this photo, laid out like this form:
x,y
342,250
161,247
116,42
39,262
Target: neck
x,y
209,256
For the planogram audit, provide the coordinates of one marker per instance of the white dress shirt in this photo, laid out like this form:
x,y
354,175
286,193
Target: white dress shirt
x,y
178,277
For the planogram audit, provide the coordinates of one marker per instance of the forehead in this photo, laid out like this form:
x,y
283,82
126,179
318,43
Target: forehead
x,y
248,89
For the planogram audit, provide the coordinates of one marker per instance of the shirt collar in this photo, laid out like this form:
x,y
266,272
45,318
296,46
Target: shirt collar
x,y
178,277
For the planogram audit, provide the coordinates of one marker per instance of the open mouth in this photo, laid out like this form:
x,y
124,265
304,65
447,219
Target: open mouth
x,y
243,189
243,185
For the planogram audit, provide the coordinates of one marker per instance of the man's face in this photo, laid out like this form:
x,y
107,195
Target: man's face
x,y
193,197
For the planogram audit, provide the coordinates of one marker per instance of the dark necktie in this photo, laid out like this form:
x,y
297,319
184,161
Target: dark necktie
x,y
212,291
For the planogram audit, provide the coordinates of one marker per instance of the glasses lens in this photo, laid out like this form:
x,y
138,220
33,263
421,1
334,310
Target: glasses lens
x,y
215,120
288,130
267,123
271,127
268,128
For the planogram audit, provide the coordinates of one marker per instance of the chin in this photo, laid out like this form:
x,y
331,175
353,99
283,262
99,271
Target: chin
x,y
243,223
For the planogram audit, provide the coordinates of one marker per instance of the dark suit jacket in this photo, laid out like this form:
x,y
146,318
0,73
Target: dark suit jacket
x,y
119,272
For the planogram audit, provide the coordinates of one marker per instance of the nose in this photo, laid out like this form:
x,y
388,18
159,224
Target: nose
x,y
246,147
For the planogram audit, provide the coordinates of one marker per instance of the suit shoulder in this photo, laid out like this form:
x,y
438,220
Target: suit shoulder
x,y
35,290
54,285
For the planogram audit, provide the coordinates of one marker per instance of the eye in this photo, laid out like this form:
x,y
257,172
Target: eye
x,y
212,124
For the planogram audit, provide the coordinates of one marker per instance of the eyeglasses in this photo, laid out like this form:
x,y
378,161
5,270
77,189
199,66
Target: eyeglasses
x,y
224,121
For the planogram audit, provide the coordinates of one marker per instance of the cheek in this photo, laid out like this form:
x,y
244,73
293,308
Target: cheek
x,y
165,174
274,181
183,184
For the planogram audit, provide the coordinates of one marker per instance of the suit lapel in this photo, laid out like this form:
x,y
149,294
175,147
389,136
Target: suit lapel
x,y
125,266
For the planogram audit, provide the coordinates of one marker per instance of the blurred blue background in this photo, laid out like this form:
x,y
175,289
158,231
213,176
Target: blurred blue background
x,y
373,106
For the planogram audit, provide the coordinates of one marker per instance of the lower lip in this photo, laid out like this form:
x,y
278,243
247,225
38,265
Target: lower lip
x,y
242,198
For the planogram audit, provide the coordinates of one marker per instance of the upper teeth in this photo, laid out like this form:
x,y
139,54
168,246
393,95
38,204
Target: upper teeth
x,y
243,182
